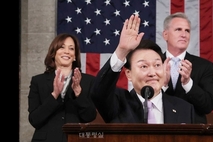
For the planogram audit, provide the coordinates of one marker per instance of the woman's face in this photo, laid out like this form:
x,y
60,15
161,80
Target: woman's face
x,y
66,54
146,69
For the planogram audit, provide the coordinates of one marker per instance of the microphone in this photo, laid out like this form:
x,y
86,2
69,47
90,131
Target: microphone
x,y
147,92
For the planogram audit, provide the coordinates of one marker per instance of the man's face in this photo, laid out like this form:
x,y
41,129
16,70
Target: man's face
x,y
177,35
146,69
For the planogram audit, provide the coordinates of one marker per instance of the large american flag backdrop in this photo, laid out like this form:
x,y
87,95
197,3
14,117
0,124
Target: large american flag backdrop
x,y
98,24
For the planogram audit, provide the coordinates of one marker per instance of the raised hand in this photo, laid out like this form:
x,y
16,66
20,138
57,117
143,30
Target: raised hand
x,y
76,79
185,71
167,72
130,38
58,84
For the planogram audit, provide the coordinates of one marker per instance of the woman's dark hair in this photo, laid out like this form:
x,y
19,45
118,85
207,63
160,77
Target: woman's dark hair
x,y
56,44
144,44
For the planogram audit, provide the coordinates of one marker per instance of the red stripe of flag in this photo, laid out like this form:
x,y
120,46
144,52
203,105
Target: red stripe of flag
x,y
206,29
93,66
92,63
177,6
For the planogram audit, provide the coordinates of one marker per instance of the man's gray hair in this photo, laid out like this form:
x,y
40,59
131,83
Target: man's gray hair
x,y
175,15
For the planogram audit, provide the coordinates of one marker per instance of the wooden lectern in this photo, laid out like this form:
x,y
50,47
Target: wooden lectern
x,y
128,132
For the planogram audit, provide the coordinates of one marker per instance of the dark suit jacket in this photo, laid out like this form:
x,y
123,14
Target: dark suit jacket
x,y
47,115
121,106
201,94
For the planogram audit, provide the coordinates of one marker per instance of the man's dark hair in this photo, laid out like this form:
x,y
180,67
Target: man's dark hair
x,y
144,44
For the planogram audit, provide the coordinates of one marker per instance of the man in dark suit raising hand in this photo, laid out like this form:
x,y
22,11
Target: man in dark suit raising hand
x,y
143,62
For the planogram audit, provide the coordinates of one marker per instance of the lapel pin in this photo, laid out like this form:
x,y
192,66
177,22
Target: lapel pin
x,y
174,110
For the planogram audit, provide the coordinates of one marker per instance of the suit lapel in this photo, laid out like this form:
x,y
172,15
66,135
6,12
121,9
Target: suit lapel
x,y
50,78
70,93
170,114
189,57
137,106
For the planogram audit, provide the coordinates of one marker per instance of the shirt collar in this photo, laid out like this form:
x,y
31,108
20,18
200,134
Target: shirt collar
x,y
181,56
157,101
66,77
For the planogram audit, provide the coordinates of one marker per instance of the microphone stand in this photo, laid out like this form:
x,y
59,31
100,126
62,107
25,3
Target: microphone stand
x,y
145,108
147,92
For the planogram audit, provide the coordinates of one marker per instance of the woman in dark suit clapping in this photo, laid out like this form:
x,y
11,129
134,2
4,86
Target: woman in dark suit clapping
x,y
62,93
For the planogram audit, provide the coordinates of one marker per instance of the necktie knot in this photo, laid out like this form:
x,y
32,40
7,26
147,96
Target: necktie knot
x,y
175,60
